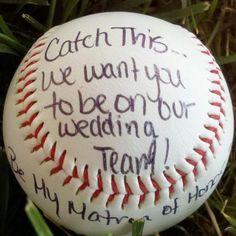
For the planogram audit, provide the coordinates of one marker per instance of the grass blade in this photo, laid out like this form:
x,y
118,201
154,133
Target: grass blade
x,y
39,224
5,29
146,6
13,44
51,13
194,23
184,3
183,231
231,230
183,12
216,29
5,49
4,183
213,7
68,9
213,219
230,219
34,2
36,24
83,7
137,227
226,59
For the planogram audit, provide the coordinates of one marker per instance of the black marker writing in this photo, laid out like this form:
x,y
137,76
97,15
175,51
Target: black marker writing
x,y
60,48
170,209
121,104
90,104
122,69
201,191
177,109
163,76
126,163
61,105
124,36
104,217
40,187
108,125
64,74
14,166
142,39
167,149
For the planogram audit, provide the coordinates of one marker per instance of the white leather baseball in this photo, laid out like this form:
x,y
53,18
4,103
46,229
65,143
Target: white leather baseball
x,y
118,116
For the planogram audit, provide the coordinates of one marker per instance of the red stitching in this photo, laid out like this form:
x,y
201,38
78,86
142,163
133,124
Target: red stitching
x,y
67,180
193,163
218,104
32,55
158,189
28,65
141,199
128,193
114,185
155,185
172,182
75,172
114,190
221,125
202,153
39,45
100,186
85,183
214,116
26,76
157,196
26,109
143,189
41,143
210,142
28,94
110,198
35,53
70,177
20,90
51,157
30,120
217,117
59,167
214,129
218,92
142,186
183,176
215,71
207,52
36,132
218,83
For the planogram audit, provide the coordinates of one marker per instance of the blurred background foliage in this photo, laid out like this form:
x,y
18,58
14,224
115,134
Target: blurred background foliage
x,y
23,21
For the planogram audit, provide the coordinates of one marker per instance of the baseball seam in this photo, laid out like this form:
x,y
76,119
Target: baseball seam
x,y
28,113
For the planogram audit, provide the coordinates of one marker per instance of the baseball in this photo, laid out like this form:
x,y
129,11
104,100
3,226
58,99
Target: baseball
x,y
118,116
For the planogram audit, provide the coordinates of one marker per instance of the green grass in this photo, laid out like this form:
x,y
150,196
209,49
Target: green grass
x,y
37,220
22,22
